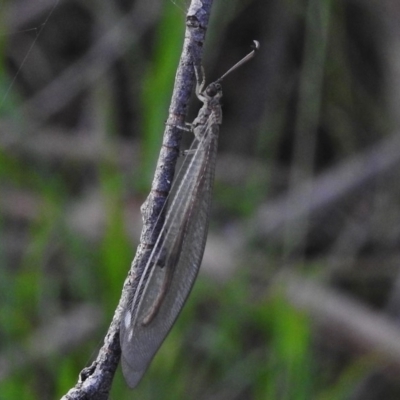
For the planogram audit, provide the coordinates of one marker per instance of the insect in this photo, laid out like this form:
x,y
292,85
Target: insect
x,y
174,262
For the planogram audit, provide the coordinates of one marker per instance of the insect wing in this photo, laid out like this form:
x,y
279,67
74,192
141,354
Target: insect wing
x,y
184,236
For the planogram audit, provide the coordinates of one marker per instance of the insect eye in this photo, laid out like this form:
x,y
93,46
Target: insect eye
x,y
212,90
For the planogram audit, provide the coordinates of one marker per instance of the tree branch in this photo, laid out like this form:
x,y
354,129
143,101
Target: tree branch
x,y
95,381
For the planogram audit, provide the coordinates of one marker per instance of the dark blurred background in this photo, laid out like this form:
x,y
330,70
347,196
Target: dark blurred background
x,y
299,293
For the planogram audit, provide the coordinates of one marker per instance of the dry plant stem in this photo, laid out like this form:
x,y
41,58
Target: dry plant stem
x,y
98,59
373,386
95,381
17,14
328,188
345,318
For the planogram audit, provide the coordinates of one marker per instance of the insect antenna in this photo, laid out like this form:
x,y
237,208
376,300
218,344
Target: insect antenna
x,y
255,46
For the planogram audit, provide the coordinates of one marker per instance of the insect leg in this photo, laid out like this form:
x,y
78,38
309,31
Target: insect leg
x,y
201,81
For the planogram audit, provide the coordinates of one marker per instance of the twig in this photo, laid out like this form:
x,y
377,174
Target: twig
x,y
95,381
328,188
82,146
19,14
346,318
96,61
